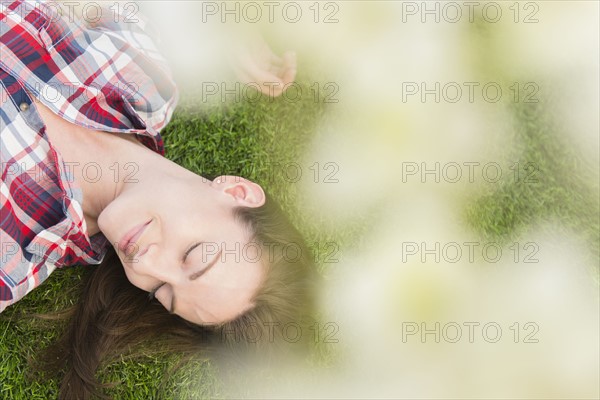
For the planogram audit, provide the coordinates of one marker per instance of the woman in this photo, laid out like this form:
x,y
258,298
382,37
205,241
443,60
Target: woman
x,y
85,181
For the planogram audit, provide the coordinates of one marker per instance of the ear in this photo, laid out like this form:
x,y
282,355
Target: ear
x,y
245,192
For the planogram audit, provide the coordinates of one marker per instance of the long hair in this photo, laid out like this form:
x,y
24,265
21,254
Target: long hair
x,y
113,317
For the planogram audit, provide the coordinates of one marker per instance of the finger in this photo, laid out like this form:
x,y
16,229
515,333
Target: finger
x,y
259,70
262,76
266,89
289,73
288,77
287,68
274,59
289,58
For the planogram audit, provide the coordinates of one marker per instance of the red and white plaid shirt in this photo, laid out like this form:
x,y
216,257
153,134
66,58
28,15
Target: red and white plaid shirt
x,y
109,77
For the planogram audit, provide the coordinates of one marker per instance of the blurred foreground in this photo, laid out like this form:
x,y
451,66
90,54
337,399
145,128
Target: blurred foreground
x,y
426,105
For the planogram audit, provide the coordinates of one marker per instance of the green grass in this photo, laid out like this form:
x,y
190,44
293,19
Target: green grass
x,y
555,186
248,139
252,139
553,183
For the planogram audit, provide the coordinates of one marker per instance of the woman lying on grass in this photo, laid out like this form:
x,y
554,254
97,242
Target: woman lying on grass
x,y
195,262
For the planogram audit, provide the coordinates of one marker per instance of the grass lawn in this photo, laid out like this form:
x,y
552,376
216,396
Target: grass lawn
x,y
248,139
253,139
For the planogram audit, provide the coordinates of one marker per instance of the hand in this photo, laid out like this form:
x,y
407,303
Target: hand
x,y
256,64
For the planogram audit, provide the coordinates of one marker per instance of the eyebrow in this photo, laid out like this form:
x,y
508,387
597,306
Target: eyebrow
x,y
197,275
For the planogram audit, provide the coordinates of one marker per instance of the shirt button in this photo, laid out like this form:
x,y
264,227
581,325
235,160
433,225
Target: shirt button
x,y
24,106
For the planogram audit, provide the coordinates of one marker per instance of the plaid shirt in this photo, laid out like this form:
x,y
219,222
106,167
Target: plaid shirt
x,y
106,77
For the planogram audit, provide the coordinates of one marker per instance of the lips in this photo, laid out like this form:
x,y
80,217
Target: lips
x,y
131,237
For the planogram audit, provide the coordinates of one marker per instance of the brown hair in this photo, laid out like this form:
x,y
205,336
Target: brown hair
x,y
114,317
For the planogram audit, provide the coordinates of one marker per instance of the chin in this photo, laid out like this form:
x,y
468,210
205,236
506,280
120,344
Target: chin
x,y
105,228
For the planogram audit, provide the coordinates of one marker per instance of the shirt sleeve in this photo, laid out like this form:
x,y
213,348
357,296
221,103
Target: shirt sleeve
x,y
19,274
105,65
125,20
126,23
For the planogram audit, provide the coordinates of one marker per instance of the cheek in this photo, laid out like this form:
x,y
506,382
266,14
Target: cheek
x,y
104,224
141,282
164,295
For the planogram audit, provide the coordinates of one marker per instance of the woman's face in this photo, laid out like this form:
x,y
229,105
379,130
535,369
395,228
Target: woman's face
x,y
188,245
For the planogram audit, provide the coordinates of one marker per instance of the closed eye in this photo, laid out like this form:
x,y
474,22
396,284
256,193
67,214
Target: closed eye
x,y
190,250
152,293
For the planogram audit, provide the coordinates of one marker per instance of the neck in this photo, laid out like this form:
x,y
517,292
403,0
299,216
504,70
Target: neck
x,y
126,167
110,162
104,165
